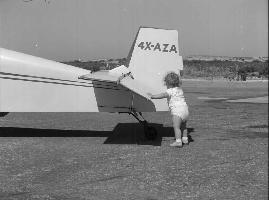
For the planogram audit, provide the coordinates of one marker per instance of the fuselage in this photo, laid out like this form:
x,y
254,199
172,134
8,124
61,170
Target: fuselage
x,y
33,84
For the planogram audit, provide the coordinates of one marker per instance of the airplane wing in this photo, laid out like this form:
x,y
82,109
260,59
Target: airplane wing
x,y
135,92
128,83
127,97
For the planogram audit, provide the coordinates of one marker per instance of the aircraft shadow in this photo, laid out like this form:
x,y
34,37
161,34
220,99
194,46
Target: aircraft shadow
x,y
123,133
2,114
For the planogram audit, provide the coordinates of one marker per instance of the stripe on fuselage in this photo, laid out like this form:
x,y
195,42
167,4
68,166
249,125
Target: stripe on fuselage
x,y
22,77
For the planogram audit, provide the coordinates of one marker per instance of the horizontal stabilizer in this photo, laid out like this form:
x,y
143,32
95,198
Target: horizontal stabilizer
x,y
112,75
127,82
136,87
102,76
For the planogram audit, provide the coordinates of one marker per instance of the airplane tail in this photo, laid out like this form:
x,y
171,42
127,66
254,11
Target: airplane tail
x,y
154,53
32,84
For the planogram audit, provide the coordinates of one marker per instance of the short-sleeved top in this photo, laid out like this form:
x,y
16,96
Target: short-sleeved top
x,y
176,97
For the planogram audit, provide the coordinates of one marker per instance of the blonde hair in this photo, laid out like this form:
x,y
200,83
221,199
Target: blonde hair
x,y
172,79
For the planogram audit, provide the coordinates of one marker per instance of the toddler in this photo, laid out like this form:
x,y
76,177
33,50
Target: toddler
x,y
177,105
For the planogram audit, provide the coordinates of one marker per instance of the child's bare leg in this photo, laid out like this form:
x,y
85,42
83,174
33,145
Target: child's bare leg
x,y
183,128
184,131
176,124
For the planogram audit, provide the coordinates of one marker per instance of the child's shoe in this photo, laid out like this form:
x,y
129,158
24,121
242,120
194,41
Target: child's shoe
x,y
185,140
177,143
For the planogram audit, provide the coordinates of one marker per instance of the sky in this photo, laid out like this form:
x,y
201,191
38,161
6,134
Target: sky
x,y
66,30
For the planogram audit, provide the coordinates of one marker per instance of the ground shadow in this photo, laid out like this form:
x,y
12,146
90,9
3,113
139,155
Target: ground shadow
x,y
133,133
35,132
123,133
2,114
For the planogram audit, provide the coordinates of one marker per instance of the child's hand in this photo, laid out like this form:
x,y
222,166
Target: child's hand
x,y
149,94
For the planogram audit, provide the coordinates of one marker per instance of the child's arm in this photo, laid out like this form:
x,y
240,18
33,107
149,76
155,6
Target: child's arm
x,y
158,96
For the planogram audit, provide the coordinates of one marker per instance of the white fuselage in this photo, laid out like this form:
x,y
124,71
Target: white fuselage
x,y
33,84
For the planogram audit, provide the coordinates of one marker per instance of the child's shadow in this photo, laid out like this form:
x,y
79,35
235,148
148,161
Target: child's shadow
x,y
190,130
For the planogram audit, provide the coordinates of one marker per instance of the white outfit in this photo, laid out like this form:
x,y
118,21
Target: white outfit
x,y
177,103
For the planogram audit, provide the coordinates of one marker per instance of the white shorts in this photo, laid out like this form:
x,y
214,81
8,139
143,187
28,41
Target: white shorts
x,y
181,111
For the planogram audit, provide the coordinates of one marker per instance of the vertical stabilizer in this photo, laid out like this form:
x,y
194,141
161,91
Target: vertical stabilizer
x,y
154,53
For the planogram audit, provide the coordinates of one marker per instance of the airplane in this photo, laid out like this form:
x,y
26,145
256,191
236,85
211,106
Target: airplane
x,y
33,84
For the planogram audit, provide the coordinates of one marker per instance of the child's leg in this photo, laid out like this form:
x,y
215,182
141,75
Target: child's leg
x,y
183,128
177,124
184,131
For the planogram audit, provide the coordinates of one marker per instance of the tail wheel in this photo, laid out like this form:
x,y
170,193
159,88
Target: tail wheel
x,y
150,132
